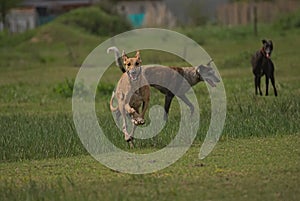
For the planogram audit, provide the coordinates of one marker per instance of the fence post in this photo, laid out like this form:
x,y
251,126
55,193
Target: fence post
x,y
255,19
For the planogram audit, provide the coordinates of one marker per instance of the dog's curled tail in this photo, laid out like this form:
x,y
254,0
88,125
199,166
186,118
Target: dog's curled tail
x,y
118,58
112,108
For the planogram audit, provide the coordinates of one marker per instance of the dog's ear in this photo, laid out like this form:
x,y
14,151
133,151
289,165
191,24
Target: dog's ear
x,y
138,56
271,43
124,56
264,41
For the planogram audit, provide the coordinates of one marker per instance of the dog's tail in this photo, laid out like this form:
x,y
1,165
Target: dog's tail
x,y
118,58
112,108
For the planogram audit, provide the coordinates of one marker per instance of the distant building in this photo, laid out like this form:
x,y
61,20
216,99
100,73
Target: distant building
x,y
32,13
187,9
147,13
22,19
47,9
243,13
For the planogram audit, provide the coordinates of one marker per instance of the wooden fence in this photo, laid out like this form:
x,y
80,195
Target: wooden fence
x,y
243,13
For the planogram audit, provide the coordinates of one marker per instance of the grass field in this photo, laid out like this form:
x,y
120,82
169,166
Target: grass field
x,y
42,158
238,169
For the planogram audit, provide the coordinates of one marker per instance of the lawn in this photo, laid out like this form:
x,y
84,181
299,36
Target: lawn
x,y
264,168
42,158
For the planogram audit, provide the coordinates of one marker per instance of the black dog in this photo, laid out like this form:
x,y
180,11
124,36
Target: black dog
x,y
262,65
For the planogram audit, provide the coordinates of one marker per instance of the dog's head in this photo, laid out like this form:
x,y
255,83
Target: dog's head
x,y
132,65
267,48
207,73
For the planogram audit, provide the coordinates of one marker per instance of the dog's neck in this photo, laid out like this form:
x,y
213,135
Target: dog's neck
x,y
191,75
263,52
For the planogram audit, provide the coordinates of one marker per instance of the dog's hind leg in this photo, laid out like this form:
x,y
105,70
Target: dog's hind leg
x,y
271,67
118,115
168,99
126,135
273,84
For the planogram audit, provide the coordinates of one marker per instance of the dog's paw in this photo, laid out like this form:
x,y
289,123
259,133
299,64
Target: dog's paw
x,y
128,138
131,111
138,121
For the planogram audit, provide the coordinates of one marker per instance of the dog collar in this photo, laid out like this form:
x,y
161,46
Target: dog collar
x,y
262,50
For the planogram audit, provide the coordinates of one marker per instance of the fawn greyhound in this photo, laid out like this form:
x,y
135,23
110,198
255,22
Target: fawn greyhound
x,y
132,92
263,65
192,75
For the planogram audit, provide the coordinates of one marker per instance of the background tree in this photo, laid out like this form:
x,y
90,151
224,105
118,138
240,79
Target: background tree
x,y
5,6
196,18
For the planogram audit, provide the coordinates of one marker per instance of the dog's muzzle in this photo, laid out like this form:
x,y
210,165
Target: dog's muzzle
x,y
134,73
207,74
267,53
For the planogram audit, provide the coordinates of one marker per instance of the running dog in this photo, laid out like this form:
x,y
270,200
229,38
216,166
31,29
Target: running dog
x,y
263,65
132,92
172,84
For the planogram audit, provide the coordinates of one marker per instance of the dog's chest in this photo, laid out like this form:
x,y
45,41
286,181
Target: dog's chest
x,y
137,95
136,99
265,63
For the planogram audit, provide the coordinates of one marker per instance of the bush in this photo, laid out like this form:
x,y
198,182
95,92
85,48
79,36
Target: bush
x,y
95,21
240,60
105,89
9,40
65,89
288,21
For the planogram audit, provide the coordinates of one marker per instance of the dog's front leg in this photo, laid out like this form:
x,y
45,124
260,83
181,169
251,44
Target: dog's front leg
x,y
123,114
257,84
144,108
260,92
186,101
131,111
146,101
273,84
136,119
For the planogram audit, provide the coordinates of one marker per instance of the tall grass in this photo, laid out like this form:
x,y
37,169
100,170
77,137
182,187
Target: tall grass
x,y
30,136
38,136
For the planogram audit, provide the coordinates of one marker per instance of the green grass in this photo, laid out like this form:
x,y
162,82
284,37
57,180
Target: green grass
x,y
239,169
42,158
